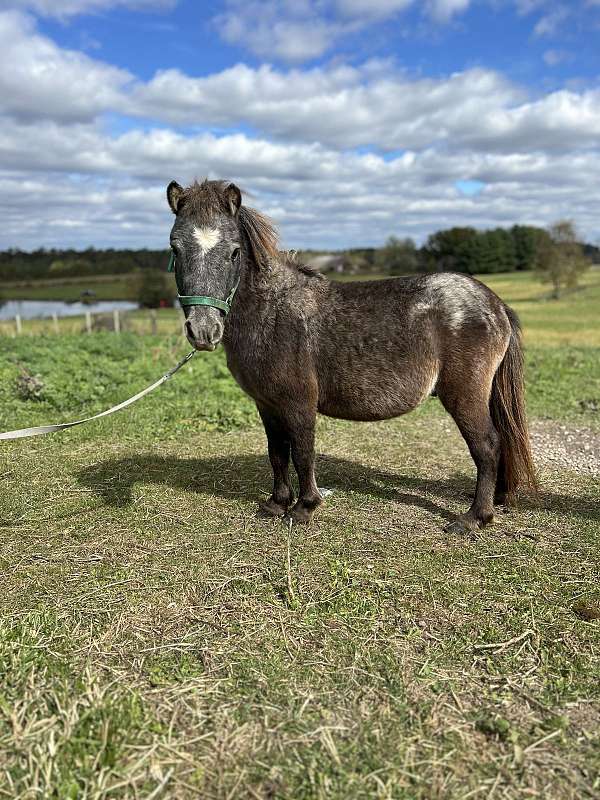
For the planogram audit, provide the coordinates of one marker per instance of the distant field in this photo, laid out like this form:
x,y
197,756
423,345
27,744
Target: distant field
x,y
105,287
160,640
570,320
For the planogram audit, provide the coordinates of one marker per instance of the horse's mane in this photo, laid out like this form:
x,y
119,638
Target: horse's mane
x,y
261,233
290,258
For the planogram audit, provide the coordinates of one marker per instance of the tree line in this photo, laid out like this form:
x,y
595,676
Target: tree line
x,y
20,265
556,252
468,250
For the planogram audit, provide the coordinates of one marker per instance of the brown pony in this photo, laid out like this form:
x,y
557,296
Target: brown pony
x,y
299,344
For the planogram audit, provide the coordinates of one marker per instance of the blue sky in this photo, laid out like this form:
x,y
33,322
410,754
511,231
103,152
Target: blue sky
x,y
346,120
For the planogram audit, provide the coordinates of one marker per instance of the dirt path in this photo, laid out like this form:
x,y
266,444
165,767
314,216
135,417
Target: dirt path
x,y
577,449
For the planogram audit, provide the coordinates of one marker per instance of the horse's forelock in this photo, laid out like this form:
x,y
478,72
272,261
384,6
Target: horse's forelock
x,y
204,200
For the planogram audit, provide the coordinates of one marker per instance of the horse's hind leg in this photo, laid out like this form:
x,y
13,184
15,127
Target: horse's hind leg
x,y
279,455
470,410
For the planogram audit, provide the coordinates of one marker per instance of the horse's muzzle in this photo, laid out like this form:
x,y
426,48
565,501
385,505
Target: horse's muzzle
x,y
205,333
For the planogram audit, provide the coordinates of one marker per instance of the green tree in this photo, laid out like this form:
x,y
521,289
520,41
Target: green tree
x,y
496,252
155,288
560,257
397,257
526,239
448,250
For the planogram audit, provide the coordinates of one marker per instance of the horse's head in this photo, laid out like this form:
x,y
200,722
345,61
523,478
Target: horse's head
x,y
207,242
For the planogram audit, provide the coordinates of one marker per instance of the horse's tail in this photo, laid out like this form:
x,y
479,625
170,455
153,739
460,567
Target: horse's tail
x,y
507,408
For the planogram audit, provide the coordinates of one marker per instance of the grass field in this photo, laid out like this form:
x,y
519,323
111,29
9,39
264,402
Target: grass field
x,y
158,639
105,287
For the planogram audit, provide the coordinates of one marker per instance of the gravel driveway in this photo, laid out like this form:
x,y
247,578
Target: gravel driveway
x,y
577,449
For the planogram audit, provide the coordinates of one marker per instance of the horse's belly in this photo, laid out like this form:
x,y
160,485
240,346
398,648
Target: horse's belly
x,y
381,397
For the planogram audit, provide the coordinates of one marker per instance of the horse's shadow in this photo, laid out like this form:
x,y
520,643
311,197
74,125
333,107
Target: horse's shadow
x,y
246,477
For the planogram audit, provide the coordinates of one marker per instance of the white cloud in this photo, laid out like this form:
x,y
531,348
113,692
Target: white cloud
x,y
444,10
306,29
300,31
554,57
340,106
527,6
66,179
371,8
39,79
69,8
345,107
259,27
549,23
320,196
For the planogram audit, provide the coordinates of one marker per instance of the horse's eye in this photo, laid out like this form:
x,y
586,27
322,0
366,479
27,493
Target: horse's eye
x,y
235,253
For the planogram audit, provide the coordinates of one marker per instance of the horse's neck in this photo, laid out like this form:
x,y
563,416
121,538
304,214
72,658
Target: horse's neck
x,y
251,314
265,287
264,297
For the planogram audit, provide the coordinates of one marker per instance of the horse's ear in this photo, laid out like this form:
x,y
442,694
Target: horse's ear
x,y
233,198
174,193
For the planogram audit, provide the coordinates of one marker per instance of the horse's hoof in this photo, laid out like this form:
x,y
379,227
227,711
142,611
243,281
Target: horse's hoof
x,y
269,508
462,526
300,514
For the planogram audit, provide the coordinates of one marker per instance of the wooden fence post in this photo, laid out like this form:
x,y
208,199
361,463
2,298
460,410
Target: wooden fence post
x,y
18,324
55,322
153,322
88,321
117,321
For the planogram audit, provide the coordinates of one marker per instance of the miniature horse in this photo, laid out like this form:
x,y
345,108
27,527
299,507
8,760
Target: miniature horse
x,y
299,344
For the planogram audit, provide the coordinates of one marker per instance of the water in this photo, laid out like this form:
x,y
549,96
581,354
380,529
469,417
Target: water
x,y
36,309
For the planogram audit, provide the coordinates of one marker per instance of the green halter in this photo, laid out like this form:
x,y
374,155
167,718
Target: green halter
x,y
201,299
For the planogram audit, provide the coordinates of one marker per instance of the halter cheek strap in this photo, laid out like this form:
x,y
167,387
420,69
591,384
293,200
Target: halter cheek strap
x,y
204,300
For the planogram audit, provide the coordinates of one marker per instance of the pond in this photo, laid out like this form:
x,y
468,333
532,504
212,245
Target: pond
x,y
36,309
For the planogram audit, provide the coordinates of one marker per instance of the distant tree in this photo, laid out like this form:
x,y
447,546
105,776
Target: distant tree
x,y
445,250
526,239
74,267
496,252
560,257
59,267
155,288
397,256
592,252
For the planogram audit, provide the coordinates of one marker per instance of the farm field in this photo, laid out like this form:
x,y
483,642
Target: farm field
x,y
159,639
105,287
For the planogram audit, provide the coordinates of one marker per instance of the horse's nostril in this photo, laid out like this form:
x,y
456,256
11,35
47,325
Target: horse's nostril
x,y
209,334
215,334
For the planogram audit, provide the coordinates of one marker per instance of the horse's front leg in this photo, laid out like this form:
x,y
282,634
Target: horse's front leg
x,y
302,437
279,456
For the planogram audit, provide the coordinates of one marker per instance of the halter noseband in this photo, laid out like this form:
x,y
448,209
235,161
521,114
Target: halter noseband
x,y
201,299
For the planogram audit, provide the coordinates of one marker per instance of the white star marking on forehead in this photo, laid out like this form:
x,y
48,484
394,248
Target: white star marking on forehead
x,y
207,238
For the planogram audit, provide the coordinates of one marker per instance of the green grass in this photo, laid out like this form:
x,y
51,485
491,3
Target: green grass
x,y
105,287
156,636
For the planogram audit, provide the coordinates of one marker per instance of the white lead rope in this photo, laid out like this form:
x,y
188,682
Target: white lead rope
x,y
41,430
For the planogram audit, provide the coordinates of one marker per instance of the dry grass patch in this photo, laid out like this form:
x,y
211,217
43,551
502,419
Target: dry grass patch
x,y
159,637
